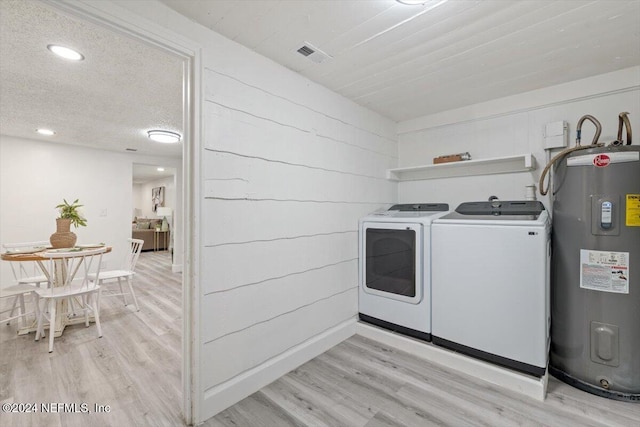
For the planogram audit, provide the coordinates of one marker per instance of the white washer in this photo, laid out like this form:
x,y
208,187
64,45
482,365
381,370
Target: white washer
x,y
490,283
395,268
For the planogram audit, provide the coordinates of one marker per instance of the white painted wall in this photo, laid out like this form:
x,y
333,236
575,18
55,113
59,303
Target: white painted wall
x,y
288,167
35,176
141,199
137,201
287,171
511,126
142,195
285,181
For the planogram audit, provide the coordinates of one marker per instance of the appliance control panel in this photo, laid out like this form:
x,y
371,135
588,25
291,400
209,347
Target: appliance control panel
x,y
605,214
421,207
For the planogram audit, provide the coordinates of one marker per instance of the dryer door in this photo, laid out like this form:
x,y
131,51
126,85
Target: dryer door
x,y
392,260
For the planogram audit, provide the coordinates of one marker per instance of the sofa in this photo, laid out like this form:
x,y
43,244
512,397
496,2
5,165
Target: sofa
x,y
145,229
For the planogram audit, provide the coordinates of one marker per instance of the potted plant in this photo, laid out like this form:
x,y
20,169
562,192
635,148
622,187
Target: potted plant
x,y
69,213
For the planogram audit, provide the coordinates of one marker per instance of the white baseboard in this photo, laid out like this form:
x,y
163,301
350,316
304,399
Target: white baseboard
x,y
535,388
176,268
222,396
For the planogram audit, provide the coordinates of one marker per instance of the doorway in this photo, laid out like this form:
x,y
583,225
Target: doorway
x,y
155,195
110,16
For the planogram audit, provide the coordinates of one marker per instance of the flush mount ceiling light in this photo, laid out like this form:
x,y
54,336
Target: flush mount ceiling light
x,y
160,169
164,136
47,132
65,52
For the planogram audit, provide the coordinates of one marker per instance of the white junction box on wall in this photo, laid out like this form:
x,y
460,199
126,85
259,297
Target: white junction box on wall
x,y
556,135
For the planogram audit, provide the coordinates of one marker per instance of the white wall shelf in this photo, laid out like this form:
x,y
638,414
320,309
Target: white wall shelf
x,y
496,165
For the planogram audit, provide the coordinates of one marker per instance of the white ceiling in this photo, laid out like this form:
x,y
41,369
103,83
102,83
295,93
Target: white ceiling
x,y
409,61
402,61
147,173
122,89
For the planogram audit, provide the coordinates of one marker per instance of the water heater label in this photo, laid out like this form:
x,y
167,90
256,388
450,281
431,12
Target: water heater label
x,y
604,160
604,271
633,210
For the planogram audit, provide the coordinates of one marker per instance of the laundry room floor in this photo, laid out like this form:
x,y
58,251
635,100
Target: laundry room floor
x,y
361,382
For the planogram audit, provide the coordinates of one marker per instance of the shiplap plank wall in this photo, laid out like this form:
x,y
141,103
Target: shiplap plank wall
x,y
284,184
510,133
236,353
229,261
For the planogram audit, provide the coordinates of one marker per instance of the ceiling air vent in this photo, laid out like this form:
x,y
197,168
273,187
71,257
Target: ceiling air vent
x,y
313,53
305,50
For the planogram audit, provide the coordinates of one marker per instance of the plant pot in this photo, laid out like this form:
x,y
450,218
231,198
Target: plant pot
x,y
63,237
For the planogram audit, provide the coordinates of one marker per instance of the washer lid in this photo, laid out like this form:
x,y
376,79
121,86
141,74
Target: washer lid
x,y
505,210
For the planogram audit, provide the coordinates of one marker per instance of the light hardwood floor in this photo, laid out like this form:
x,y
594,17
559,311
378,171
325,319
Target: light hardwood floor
x,y
135,368
363,383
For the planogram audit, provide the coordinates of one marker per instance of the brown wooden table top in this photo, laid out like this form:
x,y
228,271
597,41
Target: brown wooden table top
x,y
37,256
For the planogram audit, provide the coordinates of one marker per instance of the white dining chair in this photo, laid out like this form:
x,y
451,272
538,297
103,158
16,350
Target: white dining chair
x,y
17,292
126,273
69,278
26,275
26,272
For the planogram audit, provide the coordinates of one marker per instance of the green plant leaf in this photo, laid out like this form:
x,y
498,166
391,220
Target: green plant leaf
x,y
70,211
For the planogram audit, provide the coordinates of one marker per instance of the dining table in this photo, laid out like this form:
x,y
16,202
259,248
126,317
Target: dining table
x,y
37,255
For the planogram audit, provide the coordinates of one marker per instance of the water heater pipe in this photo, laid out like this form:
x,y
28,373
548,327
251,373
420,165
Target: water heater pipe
x,y
623,120
579,128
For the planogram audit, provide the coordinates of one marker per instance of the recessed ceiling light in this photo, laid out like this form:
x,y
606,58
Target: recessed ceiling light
x,y
164,136
160,169
47,132
65,52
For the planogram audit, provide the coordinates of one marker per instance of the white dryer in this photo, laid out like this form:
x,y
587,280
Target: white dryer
x,y
490,283
395,268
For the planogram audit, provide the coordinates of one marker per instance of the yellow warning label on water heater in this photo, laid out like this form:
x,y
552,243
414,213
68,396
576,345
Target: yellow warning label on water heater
x,y
633,210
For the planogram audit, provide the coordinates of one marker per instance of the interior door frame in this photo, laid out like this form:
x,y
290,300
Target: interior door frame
x,y
123,21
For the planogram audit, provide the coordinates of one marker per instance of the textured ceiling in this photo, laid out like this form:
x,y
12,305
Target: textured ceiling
x,y
108,101
148,173
409,61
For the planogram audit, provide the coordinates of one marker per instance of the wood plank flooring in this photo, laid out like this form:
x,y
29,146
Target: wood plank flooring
x,y
361,382
135,368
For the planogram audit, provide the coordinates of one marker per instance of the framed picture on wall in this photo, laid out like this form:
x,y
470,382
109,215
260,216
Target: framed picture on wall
x,y
157,198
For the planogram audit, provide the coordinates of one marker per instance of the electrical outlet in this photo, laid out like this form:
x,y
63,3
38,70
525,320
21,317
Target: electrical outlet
x,y
103,212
